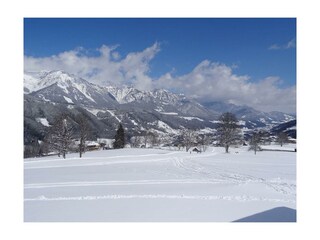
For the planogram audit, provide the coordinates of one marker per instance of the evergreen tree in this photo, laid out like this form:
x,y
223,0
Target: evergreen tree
x,y
119,138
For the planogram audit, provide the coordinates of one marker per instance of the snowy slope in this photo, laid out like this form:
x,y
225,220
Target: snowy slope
x,y
158,185
251,117
62,87
30,83
136,109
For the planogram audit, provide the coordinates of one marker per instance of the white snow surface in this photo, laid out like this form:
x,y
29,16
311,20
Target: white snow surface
x,y
169,113
30,83
68,99
262,120
94,111
134,122
43,121
158,185
193,118
166,128
241,122
277,147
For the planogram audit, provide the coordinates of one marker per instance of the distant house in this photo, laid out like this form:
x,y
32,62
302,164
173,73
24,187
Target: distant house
x,y
197,150
92,145
105,143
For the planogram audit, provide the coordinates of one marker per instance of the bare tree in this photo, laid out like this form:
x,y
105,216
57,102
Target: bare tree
x,y
188,138
203,141
145,137
84,131
154,138
255,142
165,139
44,148
282,138
228,130
150,137
135,141
265,137
60,135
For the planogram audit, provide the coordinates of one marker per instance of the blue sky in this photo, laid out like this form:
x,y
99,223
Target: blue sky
x,y
252,49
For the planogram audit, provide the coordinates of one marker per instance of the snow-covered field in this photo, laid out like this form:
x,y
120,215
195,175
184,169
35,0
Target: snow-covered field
x,y
159,185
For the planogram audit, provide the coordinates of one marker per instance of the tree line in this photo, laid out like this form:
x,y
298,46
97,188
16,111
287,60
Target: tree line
x,y
64,136
61,136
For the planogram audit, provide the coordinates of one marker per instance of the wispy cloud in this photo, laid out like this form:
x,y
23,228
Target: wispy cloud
x,y
288,45
274,47
291,44
208,81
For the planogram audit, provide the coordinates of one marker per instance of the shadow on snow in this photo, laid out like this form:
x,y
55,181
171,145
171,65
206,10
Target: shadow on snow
x,y
279,214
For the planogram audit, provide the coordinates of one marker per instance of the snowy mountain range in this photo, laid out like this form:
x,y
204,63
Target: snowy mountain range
x,y
49,93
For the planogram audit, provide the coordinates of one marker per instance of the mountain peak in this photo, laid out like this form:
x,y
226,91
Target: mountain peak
x,y
61,87
36,81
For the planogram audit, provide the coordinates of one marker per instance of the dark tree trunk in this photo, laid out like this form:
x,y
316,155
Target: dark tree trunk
x,y
227,148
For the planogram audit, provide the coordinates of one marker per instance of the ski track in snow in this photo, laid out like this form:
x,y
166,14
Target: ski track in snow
x,y
118,183
90,158
241,198
196,173
187,169
84,163
219,174
103,163
279,187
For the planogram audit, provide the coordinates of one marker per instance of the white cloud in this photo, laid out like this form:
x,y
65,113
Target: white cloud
x,y
211,81
104,68
208,81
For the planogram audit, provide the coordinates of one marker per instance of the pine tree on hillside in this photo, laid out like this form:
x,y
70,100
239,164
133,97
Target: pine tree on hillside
x,y
119,138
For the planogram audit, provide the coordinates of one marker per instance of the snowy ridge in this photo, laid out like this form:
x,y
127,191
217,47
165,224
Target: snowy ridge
x,y
113,115
130,94
37,81
136,108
